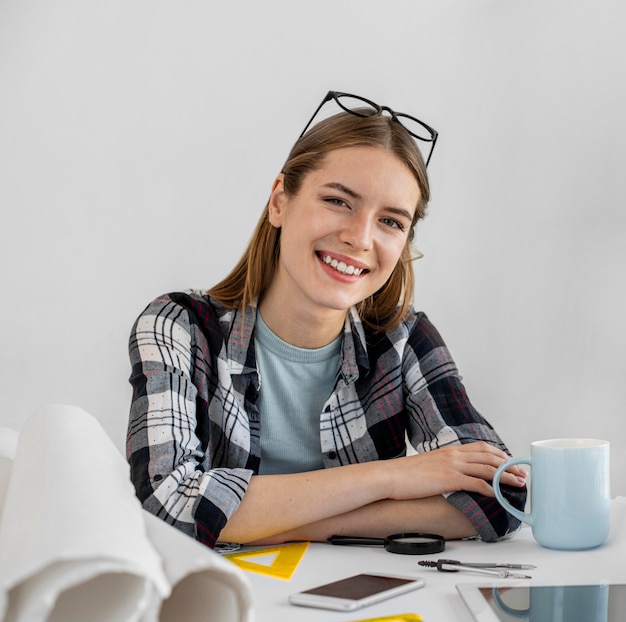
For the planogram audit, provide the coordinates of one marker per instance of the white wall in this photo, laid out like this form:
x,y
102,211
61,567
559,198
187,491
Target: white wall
x,y
139,139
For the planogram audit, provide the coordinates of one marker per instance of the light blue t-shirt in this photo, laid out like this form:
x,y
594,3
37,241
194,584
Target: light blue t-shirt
x,y
295,384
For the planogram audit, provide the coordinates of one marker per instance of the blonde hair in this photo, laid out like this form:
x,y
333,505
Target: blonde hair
x,y
252,275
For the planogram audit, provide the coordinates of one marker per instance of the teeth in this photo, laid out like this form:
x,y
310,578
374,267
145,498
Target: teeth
x,y
341,266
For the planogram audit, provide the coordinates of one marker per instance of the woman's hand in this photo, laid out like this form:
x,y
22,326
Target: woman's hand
x,y
467,467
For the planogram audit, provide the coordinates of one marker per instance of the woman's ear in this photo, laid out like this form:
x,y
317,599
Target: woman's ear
x,y
278,199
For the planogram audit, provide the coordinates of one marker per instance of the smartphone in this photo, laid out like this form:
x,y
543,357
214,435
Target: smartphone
x,y
355,592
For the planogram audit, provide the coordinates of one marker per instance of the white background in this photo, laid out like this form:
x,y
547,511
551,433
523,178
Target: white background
x,y
139,140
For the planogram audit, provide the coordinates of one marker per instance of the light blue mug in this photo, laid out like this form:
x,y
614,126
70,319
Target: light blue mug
x,y
570,499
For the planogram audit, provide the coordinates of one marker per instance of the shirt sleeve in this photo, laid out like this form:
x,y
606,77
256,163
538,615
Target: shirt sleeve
x,y
441,414
169,436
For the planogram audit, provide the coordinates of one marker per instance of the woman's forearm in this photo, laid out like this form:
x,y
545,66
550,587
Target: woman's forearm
x,y
383,518
275,504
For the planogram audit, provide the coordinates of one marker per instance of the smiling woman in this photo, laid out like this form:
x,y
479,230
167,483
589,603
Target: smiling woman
x,y
341,237
276,405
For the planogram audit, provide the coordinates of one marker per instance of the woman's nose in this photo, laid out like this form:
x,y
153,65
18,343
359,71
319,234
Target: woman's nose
x,y
358,232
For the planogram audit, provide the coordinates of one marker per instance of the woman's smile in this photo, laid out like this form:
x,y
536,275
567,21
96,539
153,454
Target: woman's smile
x,y
343,265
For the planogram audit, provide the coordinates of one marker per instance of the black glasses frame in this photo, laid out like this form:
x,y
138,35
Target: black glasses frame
x,y
377,111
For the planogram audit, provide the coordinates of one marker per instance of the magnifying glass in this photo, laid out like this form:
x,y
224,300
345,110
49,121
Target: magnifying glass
x,y
403,543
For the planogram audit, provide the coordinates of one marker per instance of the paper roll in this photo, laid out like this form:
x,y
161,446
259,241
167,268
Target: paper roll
x,y
75,543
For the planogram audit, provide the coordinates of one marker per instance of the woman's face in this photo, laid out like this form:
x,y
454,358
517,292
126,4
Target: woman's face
x,y
343,232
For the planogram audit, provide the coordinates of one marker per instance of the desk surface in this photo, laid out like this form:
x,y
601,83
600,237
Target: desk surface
x,y
439,600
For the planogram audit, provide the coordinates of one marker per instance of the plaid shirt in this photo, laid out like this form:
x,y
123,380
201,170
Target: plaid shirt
x,y
193,434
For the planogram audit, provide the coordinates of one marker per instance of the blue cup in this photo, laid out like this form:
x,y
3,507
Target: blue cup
x,y
570,499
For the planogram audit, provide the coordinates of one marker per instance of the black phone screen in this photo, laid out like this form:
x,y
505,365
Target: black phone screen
x,y
359,586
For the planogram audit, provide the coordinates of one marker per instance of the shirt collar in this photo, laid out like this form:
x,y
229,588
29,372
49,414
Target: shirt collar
x,y
239,326
240,329
354,354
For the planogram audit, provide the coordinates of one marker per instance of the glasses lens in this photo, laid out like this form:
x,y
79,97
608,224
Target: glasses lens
x,y
415,127
356,105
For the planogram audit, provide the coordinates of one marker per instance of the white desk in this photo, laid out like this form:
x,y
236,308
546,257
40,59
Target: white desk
x,y
438,601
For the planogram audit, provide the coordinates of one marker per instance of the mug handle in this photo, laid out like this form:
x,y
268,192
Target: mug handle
x,y
525,517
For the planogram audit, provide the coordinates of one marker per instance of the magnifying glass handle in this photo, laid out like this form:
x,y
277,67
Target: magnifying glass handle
x,y
355,541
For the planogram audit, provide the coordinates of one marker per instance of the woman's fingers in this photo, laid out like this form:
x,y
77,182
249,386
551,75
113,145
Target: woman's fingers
x,y
514,477
468,467
490,459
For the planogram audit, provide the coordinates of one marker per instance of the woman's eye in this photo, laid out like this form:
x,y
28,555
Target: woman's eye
x,y
336,201
392,222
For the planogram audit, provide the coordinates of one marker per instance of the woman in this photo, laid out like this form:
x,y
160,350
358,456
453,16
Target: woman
x,y
276,406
